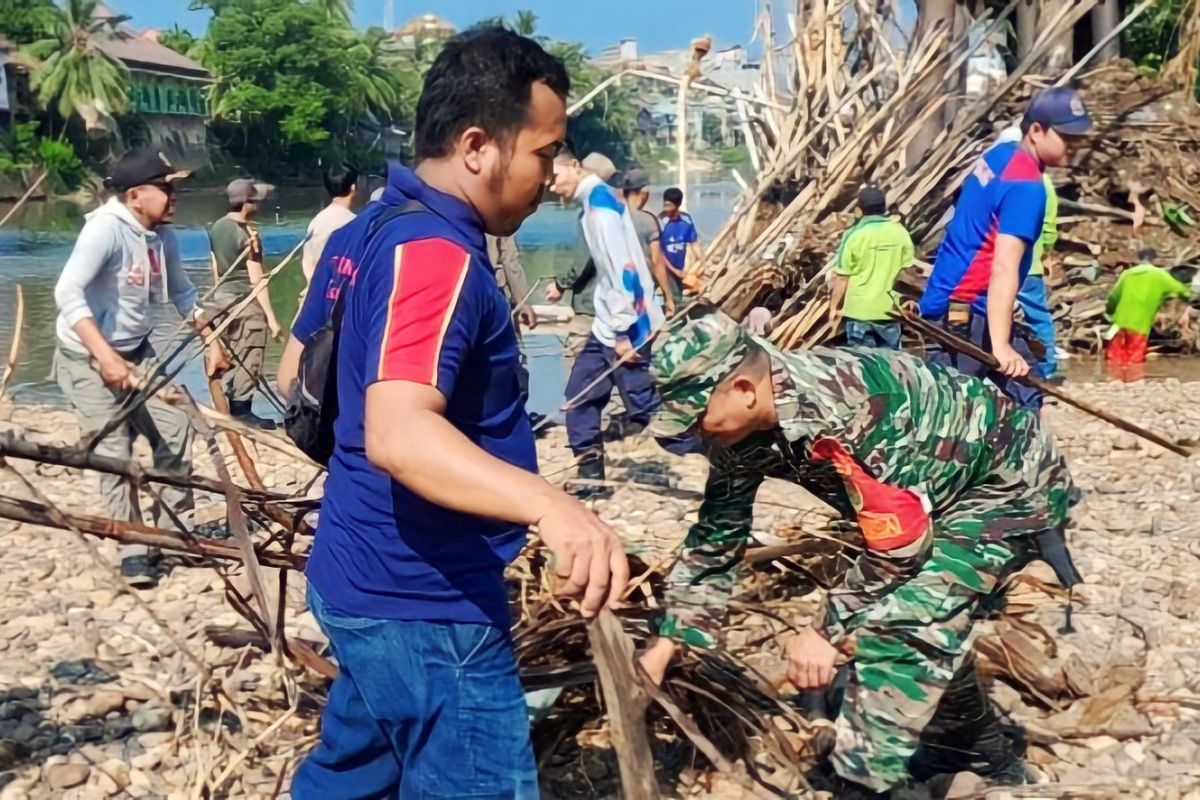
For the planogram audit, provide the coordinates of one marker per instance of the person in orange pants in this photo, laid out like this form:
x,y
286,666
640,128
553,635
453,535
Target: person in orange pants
x,y
1133,304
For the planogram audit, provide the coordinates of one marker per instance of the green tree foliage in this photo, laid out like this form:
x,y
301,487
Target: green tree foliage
x,y
290,84
74,75
1154,37
608,123
710,129
25,21
18,146
178,39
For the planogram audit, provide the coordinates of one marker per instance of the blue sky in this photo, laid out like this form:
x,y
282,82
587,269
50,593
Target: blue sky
x,y
596,23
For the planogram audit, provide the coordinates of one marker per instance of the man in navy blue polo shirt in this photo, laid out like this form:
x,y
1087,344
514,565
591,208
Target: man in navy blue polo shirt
x,y
432,484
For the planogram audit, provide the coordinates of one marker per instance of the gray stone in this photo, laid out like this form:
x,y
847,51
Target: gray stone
x,y
150,719
65,776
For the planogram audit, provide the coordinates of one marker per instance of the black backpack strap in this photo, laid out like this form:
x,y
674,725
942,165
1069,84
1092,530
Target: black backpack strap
x,y
390,214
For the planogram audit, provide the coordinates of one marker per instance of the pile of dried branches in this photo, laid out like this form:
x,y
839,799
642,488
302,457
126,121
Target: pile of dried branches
x,y
861,114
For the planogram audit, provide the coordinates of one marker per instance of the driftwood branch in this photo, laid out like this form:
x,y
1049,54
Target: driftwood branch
x,y
77,458
137,533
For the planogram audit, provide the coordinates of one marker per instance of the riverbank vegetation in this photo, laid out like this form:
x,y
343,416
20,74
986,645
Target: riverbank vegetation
x,y
294,86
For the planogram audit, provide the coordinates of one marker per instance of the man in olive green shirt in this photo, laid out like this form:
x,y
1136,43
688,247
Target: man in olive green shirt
x,y
246,337
871,256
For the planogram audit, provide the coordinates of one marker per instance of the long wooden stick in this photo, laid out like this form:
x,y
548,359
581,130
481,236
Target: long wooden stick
x,y
626,705
13,446
14,349
28,193
949,340
137,533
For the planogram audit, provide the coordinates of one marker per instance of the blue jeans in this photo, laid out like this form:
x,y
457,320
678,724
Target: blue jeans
x,y
632,380
1033,301
419,710
873,334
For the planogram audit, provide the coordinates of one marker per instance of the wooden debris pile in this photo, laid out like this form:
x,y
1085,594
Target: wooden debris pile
x,y
862,114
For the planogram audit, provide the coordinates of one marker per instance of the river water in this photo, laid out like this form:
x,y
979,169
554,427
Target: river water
x,y
35,244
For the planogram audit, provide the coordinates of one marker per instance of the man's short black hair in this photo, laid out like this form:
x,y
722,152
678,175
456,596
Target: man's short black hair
x,y
673,195
340,181
482,77
1147,254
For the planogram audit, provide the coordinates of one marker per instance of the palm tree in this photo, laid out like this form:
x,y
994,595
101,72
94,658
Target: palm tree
x,y
525,23
73,72
337,9
372,88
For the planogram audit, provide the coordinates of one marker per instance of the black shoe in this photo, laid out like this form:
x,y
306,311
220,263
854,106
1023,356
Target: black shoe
x,y
590,478
138,572
622,427
240,410
541,423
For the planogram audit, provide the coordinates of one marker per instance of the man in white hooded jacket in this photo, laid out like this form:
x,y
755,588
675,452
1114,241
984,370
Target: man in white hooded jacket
x,y
125,259
627,314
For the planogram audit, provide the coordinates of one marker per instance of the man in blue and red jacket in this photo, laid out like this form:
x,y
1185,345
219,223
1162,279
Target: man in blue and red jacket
x,y
988,248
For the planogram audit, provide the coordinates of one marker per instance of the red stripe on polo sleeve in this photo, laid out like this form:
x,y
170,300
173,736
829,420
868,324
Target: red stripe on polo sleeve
x,y
427,281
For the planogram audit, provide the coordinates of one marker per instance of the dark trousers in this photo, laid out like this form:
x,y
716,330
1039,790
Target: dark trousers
x,y
883,334
632,380
975,330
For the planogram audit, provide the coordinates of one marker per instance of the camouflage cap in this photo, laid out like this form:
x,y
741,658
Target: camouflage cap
x,y
693,355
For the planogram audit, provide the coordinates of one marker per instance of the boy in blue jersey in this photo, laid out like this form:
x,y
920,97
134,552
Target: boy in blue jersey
x,y
433,480
680,241
988,248
627,313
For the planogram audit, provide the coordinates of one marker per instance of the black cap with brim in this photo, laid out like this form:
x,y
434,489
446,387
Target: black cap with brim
x,y
142,166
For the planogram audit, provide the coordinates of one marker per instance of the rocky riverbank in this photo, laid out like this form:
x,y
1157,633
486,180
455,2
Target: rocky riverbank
x,y
97,700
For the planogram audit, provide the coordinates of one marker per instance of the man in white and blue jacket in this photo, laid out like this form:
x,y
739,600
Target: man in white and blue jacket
x,y
627,314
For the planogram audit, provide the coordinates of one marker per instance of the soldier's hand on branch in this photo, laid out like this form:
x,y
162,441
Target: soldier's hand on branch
x,y
657,657
810,660
585,552
1009,361
553,293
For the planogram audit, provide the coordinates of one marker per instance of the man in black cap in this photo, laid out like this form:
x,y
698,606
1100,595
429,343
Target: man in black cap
x,y
247,335
636,186
988,248
125,259
872,254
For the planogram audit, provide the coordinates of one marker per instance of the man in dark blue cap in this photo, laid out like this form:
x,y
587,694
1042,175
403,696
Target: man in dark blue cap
x,y
989,244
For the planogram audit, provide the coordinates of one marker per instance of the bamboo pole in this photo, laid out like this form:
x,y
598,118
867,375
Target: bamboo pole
x,y
14,349
28,193
953,342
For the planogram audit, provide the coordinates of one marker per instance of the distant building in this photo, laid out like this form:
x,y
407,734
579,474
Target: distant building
x,y
729,68
167,90
420,32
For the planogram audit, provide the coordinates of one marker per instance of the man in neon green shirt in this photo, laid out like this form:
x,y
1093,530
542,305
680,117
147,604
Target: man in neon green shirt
x,y
1133,304
870,257
1033,298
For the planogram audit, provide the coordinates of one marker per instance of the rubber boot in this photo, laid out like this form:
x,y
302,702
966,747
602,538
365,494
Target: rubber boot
x,y
240,410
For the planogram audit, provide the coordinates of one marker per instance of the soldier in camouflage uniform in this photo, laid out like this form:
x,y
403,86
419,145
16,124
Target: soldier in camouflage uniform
x,y
953,486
